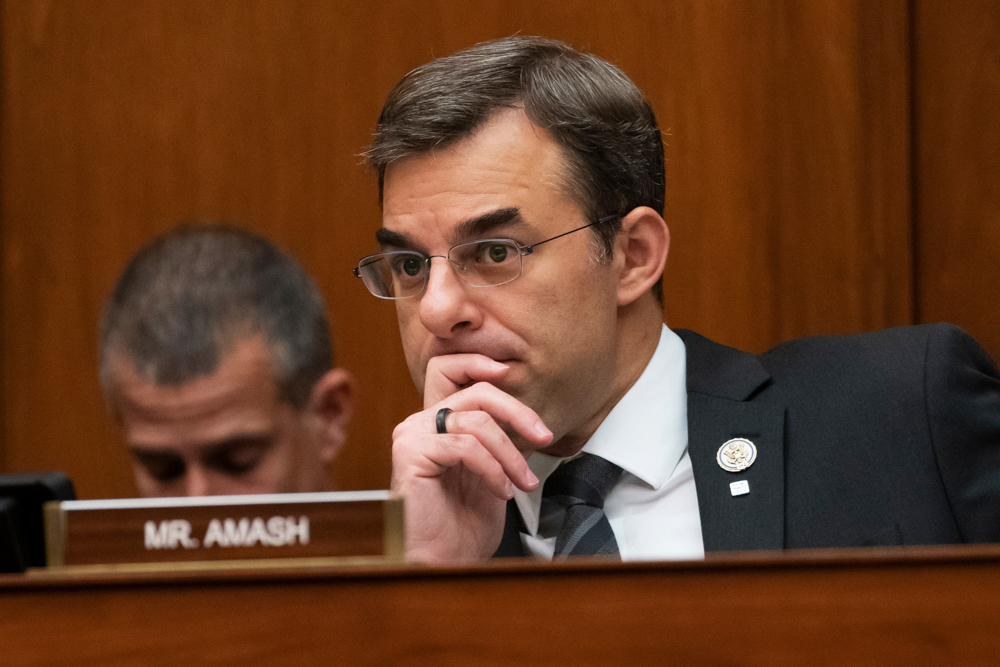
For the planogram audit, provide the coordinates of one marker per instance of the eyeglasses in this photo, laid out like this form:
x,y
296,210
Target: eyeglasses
x,y
401,274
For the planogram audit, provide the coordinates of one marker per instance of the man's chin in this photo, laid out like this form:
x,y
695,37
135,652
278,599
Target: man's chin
x,y
520,442
520,392
515,381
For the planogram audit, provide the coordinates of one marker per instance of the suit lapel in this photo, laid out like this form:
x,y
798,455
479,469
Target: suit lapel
x,y
721,381
747,522
721,385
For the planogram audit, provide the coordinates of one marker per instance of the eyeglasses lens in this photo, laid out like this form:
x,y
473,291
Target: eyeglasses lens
x,y
487,263
394,275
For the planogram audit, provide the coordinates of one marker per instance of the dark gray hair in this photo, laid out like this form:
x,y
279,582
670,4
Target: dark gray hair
x,y
591,109
186,298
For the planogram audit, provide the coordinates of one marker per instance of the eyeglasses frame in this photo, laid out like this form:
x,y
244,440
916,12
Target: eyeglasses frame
x,y
523,251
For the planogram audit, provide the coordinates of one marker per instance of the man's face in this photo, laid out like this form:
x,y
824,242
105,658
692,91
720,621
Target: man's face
x,y
555,325
226,433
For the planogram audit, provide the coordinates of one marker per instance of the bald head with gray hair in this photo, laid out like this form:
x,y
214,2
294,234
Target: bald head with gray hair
x,y
189,296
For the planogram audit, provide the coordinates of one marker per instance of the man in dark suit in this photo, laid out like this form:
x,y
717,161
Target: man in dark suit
x,y
881,439
523,243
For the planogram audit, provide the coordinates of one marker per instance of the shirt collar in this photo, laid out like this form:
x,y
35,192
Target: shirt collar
x,y
645,433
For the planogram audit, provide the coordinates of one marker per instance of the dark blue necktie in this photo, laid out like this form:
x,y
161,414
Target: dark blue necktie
x,y
580,486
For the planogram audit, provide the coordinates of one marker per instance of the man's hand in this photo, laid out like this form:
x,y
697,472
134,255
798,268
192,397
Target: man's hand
x,y
456,484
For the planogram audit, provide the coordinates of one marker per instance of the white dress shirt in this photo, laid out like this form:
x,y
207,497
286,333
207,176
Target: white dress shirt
x,y
653,509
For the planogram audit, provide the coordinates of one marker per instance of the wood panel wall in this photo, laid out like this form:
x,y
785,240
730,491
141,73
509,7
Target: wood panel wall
x,y
957,165
790,172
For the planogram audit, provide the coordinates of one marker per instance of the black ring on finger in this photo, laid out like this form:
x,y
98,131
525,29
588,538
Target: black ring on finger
x,y
442,420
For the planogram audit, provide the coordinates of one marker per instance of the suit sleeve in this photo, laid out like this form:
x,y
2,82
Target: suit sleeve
x,y
962,394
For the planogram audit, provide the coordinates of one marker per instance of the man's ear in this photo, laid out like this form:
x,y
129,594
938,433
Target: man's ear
x,y
641,251
331,402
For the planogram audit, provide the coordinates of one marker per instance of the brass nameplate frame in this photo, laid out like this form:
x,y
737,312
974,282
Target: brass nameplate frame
x,y
349,525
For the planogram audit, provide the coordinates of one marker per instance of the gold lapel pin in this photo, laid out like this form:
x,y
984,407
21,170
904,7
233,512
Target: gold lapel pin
x,y
736,455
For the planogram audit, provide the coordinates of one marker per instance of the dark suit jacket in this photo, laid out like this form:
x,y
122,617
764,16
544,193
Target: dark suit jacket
x,y
877,439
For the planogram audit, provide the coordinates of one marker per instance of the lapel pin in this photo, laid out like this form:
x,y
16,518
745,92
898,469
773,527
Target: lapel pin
x,y
736,455
740,488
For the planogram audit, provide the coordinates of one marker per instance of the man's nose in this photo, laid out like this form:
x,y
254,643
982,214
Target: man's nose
x,y
197,482
445,306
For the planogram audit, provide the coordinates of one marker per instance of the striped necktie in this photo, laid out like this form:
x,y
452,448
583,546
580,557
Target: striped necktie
x,y
581,486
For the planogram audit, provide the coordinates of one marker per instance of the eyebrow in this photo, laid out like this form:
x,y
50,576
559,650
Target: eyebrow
x,y
488,222
388,238
264,438
481,225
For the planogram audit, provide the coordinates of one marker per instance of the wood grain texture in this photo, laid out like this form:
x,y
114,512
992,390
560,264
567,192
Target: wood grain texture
x,y
870,609
957,137
787,185
788,169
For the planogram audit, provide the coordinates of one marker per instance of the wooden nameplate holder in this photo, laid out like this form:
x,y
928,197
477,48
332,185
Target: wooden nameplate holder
x,y
352,526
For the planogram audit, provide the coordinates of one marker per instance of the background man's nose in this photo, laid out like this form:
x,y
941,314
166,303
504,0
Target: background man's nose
x,y
197,482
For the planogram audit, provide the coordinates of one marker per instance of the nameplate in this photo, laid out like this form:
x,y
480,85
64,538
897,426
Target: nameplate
x,y
351,525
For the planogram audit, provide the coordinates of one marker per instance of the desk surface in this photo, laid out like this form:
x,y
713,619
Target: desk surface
x,y
938,605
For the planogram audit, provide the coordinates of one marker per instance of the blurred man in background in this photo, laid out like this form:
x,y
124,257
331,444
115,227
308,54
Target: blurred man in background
x,y
216,358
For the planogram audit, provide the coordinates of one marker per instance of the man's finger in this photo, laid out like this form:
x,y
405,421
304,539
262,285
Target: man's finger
x,y
503,408
489,434
449,373
442,452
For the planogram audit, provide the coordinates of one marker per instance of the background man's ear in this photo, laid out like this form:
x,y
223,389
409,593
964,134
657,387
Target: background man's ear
x,y
332,404
641,251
